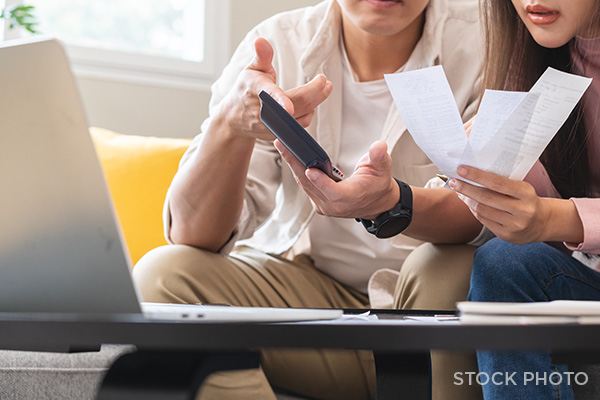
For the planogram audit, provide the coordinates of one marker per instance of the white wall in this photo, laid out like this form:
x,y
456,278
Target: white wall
x,y
156,110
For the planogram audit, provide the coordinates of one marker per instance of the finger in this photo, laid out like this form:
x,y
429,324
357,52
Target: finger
x,y
469,126
293,162
279,95
514,214
476,209
490,180
307,97
379,159
500,217
263,56
497,228
321,182
468,201
298,169
263,62
478,194
316,207
305,119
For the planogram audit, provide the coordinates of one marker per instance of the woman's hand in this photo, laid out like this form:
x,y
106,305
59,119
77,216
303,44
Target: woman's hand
x,y
469,126
513,211
370,190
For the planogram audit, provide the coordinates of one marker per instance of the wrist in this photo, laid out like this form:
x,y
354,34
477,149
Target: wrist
x,y
563,222
222,128
390,199
395,197
395,220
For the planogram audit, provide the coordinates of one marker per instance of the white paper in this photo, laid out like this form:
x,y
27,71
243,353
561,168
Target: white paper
x,y
502,152
550,312
429,112
495,108
511,129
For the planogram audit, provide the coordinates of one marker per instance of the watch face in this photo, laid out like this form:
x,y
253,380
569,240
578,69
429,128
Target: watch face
x,y
393,226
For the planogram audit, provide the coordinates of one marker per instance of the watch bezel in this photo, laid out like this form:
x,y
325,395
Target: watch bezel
x,y
402,212
402,217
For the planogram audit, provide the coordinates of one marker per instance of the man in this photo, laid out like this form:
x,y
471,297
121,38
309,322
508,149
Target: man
x,y
246,232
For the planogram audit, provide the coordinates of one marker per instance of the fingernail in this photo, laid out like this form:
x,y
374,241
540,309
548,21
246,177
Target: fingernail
x,y
312,174
462,171
452,183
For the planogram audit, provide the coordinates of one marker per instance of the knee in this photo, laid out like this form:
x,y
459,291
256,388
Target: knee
x,y
161,273
501,270
434,276
433,260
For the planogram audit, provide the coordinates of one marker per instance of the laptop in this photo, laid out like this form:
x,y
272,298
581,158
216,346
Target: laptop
x,y
61,247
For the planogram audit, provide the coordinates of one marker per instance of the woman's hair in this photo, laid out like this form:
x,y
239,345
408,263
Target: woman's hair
x,y
514,61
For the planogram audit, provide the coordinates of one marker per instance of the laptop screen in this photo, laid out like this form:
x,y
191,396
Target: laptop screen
x,y
61,249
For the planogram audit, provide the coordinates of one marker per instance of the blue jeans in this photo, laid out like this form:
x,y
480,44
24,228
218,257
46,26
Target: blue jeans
x,y
524,273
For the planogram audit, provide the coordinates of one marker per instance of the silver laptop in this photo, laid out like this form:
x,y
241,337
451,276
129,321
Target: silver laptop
x,y
61,247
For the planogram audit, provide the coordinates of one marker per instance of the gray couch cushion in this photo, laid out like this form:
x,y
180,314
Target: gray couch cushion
x,y
36,375
29,375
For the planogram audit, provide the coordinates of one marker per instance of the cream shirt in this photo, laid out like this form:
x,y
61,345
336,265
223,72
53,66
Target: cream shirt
x,y
276,210
341,247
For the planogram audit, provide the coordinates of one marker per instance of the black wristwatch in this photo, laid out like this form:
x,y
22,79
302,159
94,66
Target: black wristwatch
x,y
394,221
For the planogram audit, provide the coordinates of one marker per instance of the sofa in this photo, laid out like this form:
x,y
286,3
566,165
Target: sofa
x,y
138,170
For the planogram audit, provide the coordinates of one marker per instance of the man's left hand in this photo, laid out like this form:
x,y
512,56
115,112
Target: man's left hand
x,y
368,192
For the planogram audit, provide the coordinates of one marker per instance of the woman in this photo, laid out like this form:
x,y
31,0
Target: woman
x,y
547,226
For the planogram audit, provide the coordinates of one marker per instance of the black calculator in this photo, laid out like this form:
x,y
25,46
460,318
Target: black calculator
x,y
295,138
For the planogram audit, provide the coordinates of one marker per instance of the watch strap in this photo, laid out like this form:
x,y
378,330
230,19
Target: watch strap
x,y
406,196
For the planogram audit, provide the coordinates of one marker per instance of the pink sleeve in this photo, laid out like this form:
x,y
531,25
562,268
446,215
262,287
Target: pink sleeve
x,y
588,209
589,212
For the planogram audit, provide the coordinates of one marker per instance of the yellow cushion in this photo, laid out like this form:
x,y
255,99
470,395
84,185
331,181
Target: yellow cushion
x,y
139,170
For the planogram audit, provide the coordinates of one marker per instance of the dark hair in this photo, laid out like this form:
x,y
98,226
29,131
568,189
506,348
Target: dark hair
x,y
514,61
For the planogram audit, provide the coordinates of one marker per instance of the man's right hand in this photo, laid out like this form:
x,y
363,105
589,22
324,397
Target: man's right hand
x,y
240,110
196,201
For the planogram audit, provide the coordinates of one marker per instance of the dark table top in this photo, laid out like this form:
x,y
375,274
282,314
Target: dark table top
x,y
52,332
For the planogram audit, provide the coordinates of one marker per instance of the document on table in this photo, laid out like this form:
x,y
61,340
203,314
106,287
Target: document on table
x,y
511,129
549,312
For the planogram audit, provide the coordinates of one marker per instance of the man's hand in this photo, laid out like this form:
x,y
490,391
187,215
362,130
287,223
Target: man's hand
x,y
196,201
370,190
241,108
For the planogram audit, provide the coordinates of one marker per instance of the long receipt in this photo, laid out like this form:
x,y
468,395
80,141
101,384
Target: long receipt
x,y
511,129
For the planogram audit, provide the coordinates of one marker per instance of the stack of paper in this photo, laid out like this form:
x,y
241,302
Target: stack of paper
x,y
511,129
552,312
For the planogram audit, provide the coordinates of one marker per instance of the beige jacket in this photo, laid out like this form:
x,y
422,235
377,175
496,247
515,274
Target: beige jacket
x,y
307,42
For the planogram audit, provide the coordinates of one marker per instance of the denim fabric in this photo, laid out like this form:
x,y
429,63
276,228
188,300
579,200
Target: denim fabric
x,y
507,272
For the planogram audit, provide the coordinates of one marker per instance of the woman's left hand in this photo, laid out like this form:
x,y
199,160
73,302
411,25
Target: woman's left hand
x,y
510,209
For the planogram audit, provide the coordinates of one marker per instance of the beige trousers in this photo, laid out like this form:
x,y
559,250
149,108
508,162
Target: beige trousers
x,y
436,277
182,274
